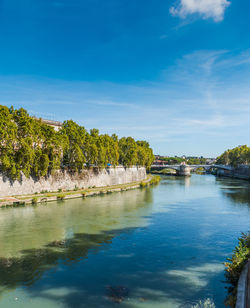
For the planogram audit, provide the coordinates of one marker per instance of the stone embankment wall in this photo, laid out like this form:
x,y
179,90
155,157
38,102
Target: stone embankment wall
x,y
243,288
241,172
67,181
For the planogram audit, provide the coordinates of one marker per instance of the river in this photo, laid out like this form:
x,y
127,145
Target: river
x,y
163,245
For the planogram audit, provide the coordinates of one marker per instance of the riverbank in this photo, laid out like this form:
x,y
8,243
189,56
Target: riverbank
x,y
158,242
238,274
65,180
242,172
61,195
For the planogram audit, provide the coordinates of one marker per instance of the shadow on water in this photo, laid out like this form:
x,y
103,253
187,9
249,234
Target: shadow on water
x,y
29,268
76,271
111,215
238,191
145,285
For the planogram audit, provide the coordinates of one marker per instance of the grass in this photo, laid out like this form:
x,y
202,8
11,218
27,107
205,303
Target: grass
x,y
4,200
61,197
43,196
34,200
155,180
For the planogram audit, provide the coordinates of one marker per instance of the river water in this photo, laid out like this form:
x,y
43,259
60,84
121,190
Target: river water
x,y
162,246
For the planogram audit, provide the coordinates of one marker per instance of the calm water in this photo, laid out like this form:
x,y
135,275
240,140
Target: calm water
x,y
165,244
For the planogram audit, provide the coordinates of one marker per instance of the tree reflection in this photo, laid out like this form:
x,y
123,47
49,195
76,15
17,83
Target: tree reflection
x,y
31,266
77,228
238,191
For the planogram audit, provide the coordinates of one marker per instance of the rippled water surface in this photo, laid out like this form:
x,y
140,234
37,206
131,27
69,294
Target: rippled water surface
x,y
163,245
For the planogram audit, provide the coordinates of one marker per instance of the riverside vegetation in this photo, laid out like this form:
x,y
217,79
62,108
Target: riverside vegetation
x,y
234,267
60,195
236,156
34,148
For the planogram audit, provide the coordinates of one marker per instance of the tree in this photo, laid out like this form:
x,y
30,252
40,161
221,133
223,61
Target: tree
x,y
31,147
236,156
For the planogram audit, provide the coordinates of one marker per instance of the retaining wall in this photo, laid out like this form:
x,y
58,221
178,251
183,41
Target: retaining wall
x,y
241,172
243,288
67,181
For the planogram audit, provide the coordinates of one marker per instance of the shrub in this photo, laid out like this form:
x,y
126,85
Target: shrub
x,y
84,194
234,267
143,184
59,190
155,179
61,197
34,200
18,203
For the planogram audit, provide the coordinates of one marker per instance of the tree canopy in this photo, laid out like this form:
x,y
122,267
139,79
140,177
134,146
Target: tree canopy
x,y
32,147
236,156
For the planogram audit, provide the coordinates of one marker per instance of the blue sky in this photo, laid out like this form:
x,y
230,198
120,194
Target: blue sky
x,y
176,73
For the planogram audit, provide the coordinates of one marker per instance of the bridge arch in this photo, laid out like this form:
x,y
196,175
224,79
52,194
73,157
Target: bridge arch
x,y
185,169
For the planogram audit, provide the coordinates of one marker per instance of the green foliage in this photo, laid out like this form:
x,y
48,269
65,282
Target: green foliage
x,y
196,161
30,147
155,179
235,266
143,184
34,200
135,153
188,161
61,197
236,156
173,160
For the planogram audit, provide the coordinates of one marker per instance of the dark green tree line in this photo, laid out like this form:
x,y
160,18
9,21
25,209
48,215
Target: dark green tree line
x,y
32,147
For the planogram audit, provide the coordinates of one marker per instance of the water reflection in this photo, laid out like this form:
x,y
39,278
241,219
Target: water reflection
x,y
165,245
33,240
237,191
30,266
59,221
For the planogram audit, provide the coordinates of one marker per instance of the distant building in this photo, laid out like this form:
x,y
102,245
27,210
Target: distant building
x,y
55,124
210,161
158,162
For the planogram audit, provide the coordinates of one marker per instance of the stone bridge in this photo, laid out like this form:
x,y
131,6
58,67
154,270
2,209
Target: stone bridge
x,y
185,170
